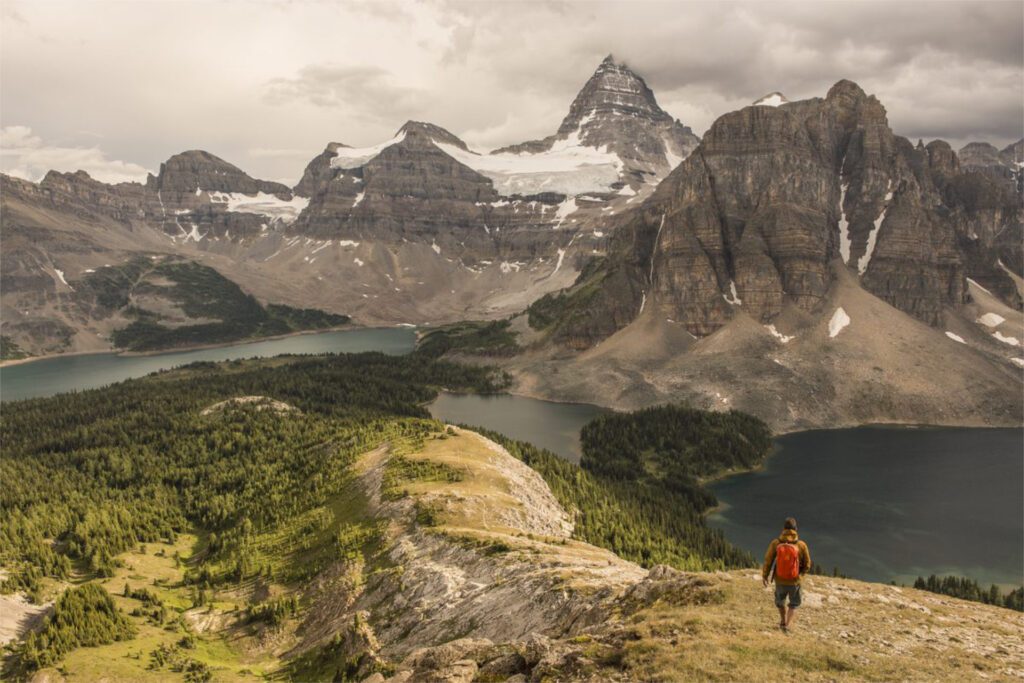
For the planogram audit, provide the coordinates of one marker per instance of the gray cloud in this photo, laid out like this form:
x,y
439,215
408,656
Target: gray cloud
x,y
367,90
267,85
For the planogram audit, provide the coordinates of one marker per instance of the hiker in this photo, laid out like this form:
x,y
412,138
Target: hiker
x,y
786,561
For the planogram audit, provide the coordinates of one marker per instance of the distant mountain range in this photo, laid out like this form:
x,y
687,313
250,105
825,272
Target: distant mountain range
x,y
778,222
416,229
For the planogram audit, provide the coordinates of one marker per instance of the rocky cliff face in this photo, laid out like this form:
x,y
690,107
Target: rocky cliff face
x,y
753,218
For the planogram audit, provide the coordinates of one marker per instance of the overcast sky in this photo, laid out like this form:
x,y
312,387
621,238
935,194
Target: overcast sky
x,y
117,87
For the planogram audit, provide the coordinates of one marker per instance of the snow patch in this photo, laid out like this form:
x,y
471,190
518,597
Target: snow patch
x,y
561,255
784,338
357,262
262,203
359,198
194,235
1012,341
507,267
60,275
844,225
347,243
771,100
991,320
354,157
839,321
1018,362
975,283
437,249
643,302
955,337
654,250
862,264
564,209
671,157
568,167
735,300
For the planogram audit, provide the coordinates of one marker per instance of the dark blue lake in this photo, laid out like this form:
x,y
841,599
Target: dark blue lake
x,y
888,503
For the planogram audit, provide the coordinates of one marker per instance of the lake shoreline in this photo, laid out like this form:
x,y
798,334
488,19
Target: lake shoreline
x,y
197,347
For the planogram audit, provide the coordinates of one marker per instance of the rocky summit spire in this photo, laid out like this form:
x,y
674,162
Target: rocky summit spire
x,y
613,90
617,112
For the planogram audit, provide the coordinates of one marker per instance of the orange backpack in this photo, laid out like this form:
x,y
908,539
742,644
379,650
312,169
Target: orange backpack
x,y
787,562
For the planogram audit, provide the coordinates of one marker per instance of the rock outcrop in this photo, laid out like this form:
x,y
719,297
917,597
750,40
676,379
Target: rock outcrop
x,y
543,607
773,194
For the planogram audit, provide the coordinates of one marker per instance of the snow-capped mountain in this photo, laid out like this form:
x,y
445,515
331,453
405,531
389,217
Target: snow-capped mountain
x,y
617,113
416,228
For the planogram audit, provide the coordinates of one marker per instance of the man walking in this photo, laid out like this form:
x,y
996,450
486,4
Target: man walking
x,y
786,561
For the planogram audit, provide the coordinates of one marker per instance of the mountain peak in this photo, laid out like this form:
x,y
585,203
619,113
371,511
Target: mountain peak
x,y
197,169
613,90
847,89
432,132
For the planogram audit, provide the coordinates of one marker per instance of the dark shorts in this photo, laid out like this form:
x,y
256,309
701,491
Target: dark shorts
x,y
782,591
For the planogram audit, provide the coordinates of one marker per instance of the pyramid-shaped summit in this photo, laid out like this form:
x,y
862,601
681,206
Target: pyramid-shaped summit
x,y
617,111
613,90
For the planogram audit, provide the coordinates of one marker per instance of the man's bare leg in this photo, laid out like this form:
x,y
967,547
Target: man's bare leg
x,y
782,617
790,616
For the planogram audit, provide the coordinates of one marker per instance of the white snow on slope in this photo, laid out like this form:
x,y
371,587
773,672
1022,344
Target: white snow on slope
x,y
838,322
569,167
347,243
955,337
358,262
771,100
1018,361
561,255
844,225
1012,341
671,157
359,198
354,157
991,320
564,209
506,267
657,238
978,286
734,299
194,234
862,263
261,203
437,249
784,338
60,274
